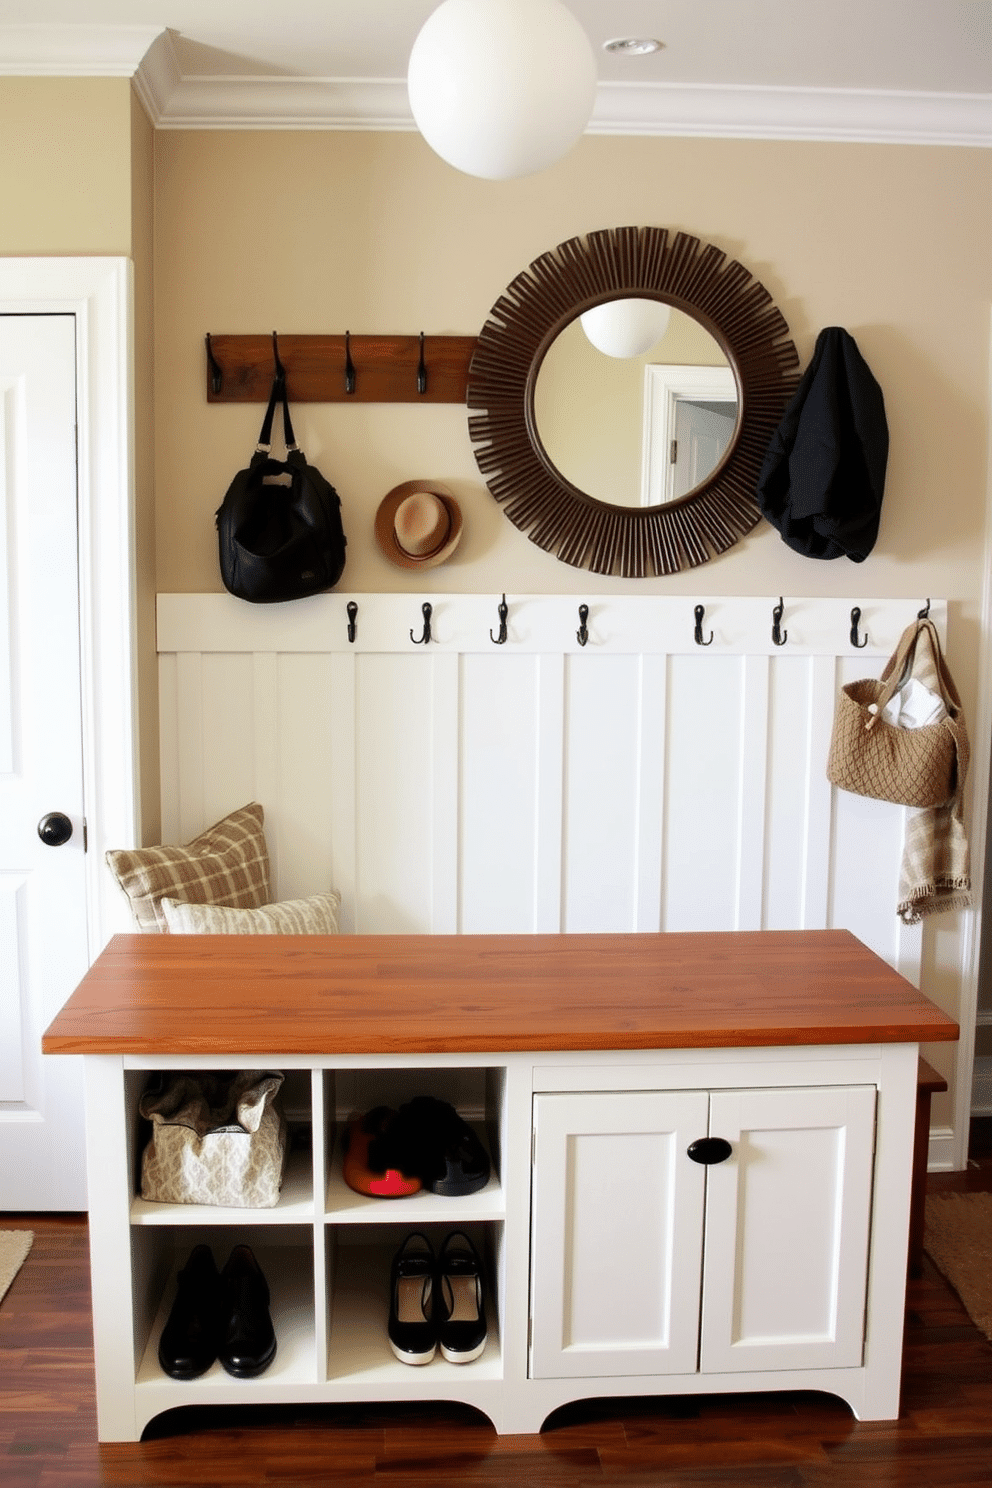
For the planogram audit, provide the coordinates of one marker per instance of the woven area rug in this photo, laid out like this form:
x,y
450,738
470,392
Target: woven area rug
x,y
14,1247
958,1239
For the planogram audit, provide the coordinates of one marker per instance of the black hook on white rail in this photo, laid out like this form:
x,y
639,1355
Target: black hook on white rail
x,y
503,611
855,621
426,610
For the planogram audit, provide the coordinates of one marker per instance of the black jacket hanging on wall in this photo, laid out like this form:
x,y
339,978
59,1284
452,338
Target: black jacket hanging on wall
x,y
822,480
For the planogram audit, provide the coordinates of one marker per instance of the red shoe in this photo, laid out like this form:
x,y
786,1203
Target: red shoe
x,y
373,1156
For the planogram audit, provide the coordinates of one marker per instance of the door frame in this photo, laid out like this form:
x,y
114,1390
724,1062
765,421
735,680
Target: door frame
x,y
98,292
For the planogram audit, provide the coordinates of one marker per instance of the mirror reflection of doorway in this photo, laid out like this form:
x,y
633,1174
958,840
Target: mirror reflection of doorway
x,y
589,407
690,415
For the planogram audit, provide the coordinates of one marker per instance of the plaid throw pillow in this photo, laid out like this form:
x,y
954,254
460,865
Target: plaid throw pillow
x,y
226,864
317,915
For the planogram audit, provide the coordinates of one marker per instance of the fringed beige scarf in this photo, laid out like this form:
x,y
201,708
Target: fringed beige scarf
x,y
936,871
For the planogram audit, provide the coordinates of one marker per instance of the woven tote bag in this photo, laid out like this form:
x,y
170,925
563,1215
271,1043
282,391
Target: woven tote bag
x,y
908,766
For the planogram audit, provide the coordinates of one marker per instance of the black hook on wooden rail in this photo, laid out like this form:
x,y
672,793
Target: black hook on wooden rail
x,y
421,368
855,621
426,610
349,366
779,636
699,612
924,614
582,634
280,369
502,610
352,609
216,371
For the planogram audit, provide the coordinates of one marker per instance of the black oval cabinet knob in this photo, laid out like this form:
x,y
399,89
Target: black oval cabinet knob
x,y
55,829
709,1150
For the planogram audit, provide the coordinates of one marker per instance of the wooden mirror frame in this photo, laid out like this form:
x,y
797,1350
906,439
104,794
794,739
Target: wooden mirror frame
x,y
696,277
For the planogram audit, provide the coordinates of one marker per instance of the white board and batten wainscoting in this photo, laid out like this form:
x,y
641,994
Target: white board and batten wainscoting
x,y
641,781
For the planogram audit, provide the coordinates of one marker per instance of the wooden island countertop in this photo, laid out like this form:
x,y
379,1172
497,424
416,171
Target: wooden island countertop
x,y
388,994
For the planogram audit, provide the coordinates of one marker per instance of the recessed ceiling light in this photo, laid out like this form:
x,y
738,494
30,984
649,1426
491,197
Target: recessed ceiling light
x,y
633,46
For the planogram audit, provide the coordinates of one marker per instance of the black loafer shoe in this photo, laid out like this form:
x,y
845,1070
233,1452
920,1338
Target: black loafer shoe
x,y
188,1345
446,1152
460,1304
247,1342
412,1329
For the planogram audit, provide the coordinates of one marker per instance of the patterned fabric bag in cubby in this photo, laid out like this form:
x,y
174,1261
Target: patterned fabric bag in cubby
x,y
217,1138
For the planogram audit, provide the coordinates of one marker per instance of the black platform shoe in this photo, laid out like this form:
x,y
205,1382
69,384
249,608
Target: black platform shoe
x,y
247,1342
461,1308
412,1329
188,1345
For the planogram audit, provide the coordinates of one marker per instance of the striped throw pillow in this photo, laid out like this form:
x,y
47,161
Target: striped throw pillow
x,y
317,915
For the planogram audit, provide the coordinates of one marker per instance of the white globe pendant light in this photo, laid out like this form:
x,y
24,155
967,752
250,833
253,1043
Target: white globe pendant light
x,y
627,327
501,88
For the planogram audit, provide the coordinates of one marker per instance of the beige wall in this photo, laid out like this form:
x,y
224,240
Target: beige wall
x,y
327,231
142,206
77,178
65,154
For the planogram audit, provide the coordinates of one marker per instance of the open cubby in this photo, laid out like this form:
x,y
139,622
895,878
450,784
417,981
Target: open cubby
x,y
296,1198
477,1094
358,1268
285,1256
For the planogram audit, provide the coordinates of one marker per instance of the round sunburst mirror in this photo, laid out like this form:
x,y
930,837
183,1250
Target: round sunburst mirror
x,y
629,441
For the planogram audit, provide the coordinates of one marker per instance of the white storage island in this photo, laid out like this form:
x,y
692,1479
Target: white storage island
x,y
701,1150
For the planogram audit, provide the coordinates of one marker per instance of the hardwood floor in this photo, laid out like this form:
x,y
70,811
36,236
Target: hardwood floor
x,y
943,1438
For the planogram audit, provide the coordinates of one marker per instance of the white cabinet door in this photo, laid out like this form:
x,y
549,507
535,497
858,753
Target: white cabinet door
x,y
624,1281
617,1233
787,1226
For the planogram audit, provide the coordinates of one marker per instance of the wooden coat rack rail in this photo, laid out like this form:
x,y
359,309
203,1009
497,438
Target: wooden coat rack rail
x,y
322,369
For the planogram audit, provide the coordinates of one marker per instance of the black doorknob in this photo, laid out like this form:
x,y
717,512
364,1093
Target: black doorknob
x,y
709,1150
54,829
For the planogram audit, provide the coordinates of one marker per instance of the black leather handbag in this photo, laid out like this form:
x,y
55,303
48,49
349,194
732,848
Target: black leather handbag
x,y
279,524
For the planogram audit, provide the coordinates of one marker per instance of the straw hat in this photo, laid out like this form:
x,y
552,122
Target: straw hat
x,y
418,524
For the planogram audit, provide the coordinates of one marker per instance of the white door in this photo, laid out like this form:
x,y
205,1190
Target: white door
x,y
787,1225
43,925
618,1230
702,432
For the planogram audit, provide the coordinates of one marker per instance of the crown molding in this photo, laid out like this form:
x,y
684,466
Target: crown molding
x,y
173,100
157,76
74,51
831,114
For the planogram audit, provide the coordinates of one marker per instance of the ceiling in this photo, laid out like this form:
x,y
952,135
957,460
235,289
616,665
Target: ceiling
x,y
915,70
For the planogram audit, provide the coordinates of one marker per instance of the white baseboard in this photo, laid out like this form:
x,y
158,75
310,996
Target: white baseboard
x,y
940,1158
